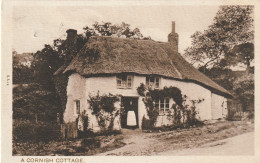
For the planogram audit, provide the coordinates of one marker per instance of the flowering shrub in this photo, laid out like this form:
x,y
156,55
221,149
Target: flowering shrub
x,y
103,107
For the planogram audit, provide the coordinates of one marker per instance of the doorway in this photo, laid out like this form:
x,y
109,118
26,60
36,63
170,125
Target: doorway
x,y
129,104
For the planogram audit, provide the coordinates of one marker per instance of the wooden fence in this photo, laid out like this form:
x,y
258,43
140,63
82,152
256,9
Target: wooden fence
x,y
69,130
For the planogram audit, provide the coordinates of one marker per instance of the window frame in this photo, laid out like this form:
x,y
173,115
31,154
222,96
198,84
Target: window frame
x,y
163,107
76,107
126,81
156,80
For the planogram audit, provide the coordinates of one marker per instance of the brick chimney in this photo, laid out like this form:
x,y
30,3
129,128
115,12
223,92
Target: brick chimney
x,y
173,37
71,45
71,36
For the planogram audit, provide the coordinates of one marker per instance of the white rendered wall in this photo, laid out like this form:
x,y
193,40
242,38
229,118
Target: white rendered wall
x,y
79,88
75,91
218,106
107,85
193,92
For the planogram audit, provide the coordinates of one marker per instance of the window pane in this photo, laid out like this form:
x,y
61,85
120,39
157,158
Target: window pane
x,y
162,100
167,103
161,111
161,105
156,82
151,79
78,107
129,78
147,81
119,82
123,84
124,77
129,81
157,105
156,85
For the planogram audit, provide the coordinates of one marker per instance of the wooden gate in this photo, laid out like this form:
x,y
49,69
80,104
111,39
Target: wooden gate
x,y
235,110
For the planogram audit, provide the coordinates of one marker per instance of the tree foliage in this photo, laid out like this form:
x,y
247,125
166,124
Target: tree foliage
x,y
22,72
33,102
241,53
45,63
231,30
244,90
108,29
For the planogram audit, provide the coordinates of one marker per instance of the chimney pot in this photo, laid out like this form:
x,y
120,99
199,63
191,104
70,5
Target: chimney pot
x,y
173,26
71,33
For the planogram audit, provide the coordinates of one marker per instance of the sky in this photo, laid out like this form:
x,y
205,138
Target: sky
x,y
34,26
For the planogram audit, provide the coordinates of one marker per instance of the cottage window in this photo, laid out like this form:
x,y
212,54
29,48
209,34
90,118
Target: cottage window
x,y
77,107
163,105
153,82
124,81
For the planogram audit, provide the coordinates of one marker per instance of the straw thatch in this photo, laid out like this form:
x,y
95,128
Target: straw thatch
x,y
109,55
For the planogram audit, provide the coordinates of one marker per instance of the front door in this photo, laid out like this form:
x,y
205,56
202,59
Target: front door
x,y
129,104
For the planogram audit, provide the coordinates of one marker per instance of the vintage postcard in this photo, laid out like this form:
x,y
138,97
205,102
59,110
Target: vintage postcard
x,y
86,81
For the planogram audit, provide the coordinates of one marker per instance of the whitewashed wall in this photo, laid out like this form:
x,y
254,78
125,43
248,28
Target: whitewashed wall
x,y
79,88
218,106
193,92
107,85
75,91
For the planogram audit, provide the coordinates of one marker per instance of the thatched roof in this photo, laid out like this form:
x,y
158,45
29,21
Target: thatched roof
x,y
109,55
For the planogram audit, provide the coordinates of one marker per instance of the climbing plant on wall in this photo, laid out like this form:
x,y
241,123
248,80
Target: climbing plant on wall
x,y
103,107
184,110
185,114
150,96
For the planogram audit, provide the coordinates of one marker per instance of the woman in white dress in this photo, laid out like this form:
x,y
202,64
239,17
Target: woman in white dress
x,y
131,119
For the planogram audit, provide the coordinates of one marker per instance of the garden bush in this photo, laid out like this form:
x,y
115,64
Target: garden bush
x,y
28,131
146,124
251,115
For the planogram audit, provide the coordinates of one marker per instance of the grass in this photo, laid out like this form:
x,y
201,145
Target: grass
x,y
43,138
76,147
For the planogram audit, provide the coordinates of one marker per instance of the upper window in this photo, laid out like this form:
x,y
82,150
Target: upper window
x,y
163,105
124,81
153,82
77,106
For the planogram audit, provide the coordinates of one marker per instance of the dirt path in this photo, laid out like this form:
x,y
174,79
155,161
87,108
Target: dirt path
x,y
182,142
238,145
137,143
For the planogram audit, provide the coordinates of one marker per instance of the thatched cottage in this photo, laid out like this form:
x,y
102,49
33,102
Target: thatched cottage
x,y
123,64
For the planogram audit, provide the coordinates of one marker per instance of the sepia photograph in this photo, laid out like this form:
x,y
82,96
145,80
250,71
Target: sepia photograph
x,y
132,80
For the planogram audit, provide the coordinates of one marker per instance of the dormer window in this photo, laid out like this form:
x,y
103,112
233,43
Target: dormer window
x,y
124,81
153,82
